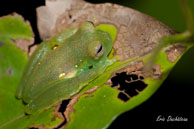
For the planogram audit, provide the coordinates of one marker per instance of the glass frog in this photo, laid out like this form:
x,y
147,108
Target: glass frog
x,y
61,66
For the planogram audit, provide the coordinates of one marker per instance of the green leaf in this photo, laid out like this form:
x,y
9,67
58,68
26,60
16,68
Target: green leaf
x,y
99,108
12,63
12,27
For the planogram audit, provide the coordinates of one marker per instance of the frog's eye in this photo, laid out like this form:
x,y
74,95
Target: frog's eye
x,y
95,49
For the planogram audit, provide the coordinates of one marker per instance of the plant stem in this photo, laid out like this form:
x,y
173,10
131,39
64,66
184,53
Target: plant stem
x,y
187,36
181,37
188,15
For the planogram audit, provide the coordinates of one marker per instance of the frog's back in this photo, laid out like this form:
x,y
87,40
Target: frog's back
x,y
57,63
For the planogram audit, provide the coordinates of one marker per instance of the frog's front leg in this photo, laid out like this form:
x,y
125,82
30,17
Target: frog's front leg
x,y
39,53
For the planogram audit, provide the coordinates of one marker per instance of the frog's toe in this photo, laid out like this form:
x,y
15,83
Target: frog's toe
x,y
29,108
26,99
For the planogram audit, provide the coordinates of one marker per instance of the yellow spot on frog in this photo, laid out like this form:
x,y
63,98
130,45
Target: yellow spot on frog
x,y
54,47
68,75
71,74
61,75
38,63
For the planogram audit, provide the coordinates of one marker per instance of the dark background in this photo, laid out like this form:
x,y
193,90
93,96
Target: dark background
x,y
174,97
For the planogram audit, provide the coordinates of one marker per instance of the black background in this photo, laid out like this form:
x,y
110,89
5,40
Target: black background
x,y
172,99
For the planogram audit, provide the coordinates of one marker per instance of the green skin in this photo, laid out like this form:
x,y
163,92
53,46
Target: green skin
x,y
60,67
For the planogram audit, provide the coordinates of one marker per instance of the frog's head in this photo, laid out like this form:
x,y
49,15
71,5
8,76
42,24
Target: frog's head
x,y
99,42
95,48
97,45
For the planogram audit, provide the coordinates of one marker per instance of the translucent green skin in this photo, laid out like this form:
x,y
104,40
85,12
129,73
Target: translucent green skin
x,y
52,75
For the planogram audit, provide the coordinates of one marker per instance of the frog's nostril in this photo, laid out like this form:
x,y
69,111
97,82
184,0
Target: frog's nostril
x,y
90,67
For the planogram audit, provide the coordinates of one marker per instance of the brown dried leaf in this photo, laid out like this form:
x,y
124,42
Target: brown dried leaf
x,y
138,33
24,44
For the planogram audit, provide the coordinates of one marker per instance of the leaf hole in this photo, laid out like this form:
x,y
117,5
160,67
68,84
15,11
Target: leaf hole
x,y
129,85
62,109
63,106
123,96
141,77
61,125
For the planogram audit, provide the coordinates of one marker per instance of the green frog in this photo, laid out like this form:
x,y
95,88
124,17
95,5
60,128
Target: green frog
x,y
63,65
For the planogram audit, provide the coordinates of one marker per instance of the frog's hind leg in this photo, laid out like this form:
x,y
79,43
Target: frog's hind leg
x,y
61,90
42,49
